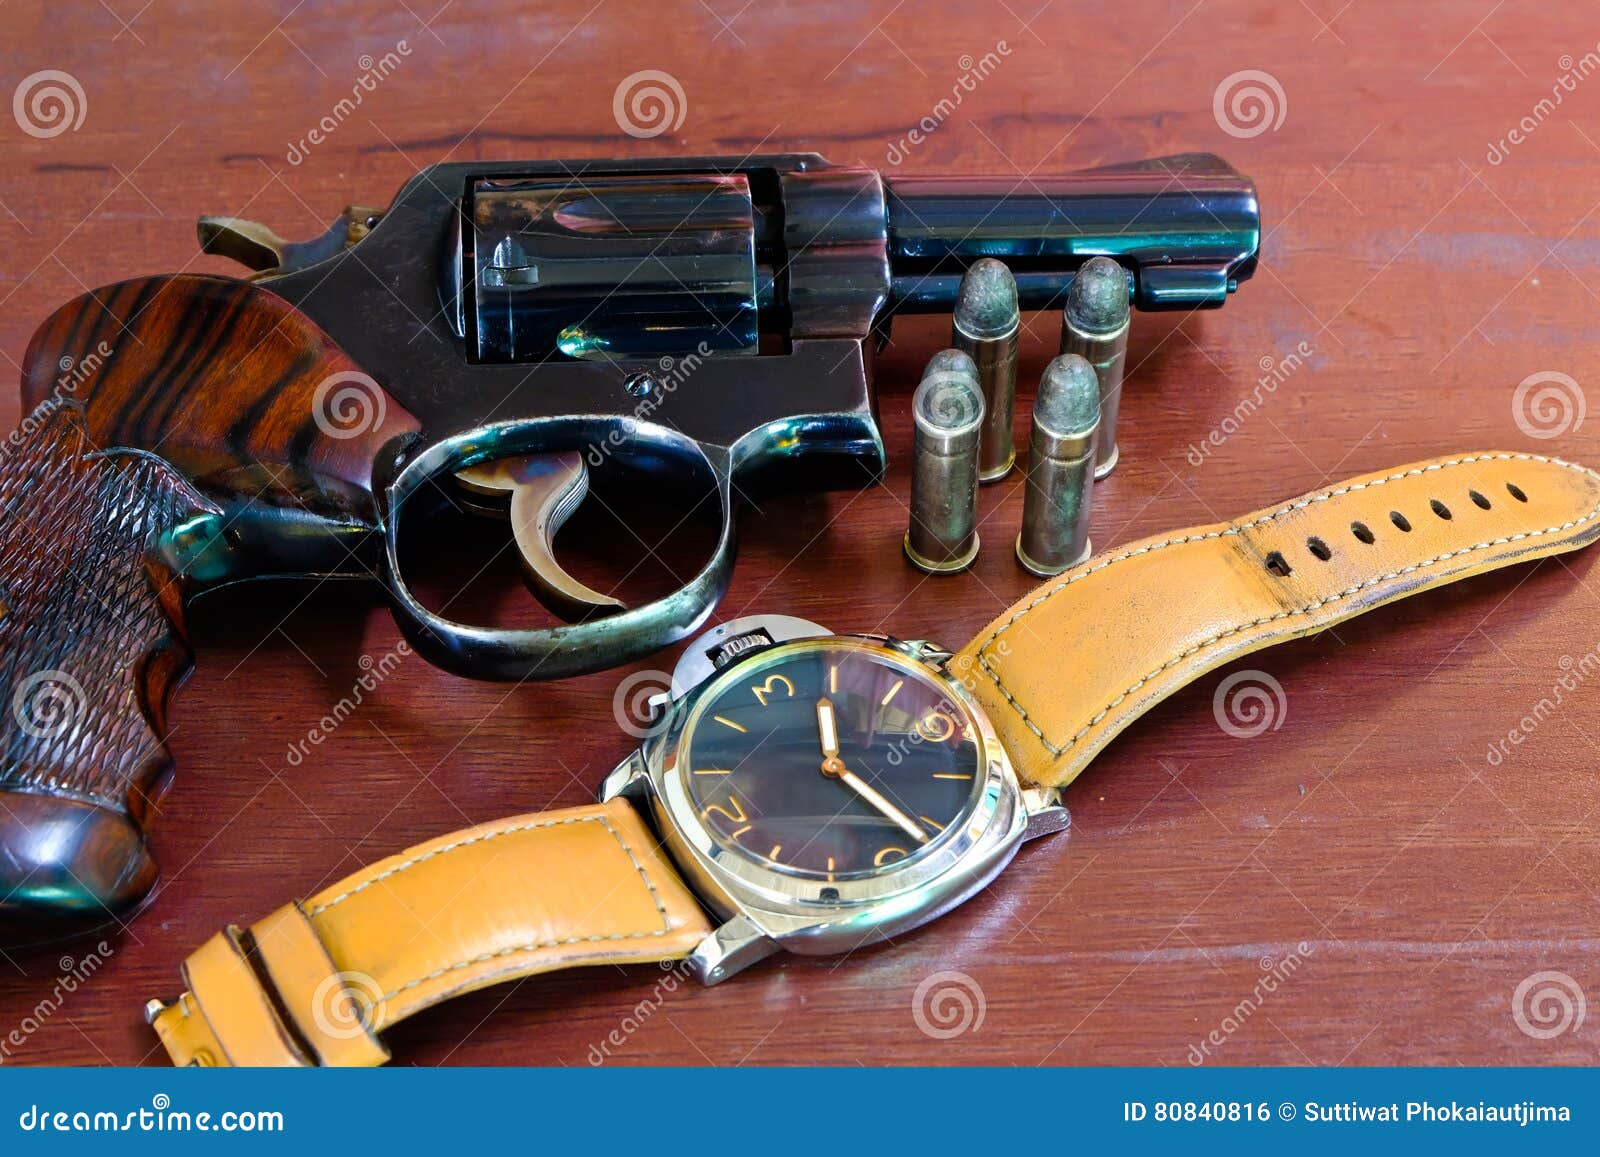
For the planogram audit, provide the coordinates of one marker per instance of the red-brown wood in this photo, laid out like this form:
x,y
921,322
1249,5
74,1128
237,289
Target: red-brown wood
x,y
1427,278
224,380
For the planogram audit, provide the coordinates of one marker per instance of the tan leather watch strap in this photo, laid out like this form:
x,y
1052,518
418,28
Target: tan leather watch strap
x,y
315,982
1068,667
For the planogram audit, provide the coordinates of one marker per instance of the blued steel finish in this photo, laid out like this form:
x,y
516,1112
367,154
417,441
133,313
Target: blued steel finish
x,y
1060,489
1187,229
948,410
480,300
616,267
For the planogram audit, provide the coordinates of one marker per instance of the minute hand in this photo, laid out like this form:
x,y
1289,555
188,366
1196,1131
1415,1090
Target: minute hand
x,y
876,798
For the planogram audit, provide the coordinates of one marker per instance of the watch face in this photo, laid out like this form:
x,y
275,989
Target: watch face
x,y
831,759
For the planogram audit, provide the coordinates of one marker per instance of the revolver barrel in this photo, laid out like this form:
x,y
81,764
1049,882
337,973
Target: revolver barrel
x,y
1186,228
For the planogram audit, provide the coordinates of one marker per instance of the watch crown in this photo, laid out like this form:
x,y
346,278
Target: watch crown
x,y
717,648
738,646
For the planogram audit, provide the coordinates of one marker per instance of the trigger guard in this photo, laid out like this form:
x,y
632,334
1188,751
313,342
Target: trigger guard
x,y
544,491
550,652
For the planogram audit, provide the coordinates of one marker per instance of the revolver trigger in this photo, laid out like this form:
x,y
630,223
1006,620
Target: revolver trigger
x,y
545,489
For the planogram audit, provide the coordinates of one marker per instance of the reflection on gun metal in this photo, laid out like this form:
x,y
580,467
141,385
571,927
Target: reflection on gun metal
x,y
474,343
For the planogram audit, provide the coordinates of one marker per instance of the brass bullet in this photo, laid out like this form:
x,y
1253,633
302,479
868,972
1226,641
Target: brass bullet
x,y
948,410
1061,453
985,328
1094,324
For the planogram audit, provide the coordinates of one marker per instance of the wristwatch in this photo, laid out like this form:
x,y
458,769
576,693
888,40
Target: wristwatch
x,y
815,792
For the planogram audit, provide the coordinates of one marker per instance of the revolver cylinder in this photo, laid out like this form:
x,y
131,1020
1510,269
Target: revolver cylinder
x,y
617,266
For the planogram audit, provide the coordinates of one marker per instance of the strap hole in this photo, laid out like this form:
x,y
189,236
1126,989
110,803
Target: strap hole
x,y
1478,500
1359,529
1511,489
1440,509
1279,565
1319,548
1399,520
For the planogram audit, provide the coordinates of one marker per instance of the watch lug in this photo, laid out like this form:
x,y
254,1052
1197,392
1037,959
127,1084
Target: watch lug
x,y
629,778
1046,813
924,651
730,949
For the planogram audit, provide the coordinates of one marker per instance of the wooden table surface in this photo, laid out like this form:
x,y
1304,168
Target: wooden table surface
x,y
1418,264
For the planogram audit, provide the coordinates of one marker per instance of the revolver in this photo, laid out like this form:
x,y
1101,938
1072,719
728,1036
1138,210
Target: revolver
x,y
507,329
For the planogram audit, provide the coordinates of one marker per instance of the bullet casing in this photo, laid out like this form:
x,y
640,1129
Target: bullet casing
x,y
985,327
1094,325
948,410
1060,472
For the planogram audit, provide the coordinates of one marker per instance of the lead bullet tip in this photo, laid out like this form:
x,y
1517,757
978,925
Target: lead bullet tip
x,y
986,306
951,361
948,400
1097,300
1068,402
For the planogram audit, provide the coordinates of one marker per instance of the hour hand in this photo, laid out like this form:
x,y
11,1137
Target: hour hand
x,y
828,729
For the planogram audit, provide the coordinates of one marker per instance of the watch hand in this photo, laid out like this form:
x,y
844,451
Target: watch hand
x,y
835,767
827,727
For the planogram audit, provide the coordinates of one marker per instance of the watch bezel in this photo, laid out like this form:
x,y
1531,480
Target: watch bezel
x,y
901,894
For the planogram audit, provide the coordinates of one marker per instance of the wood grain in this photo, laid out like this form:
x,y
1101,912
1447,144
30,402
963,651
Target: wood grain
x,y
226,381
1369,835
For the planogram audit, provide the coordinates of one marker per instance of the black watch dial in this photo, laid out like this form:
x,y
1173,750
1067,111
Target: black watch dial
x,y
831,759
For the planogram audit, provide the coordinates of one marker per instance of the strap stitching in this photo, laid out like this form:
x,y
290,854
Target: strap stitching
x,y
469,840
638,865
1298,504
517,949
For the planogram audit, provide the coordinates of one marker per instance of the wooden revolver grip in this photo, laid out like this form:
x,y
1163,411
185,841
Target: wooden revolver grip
x,y
207,406
91,646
